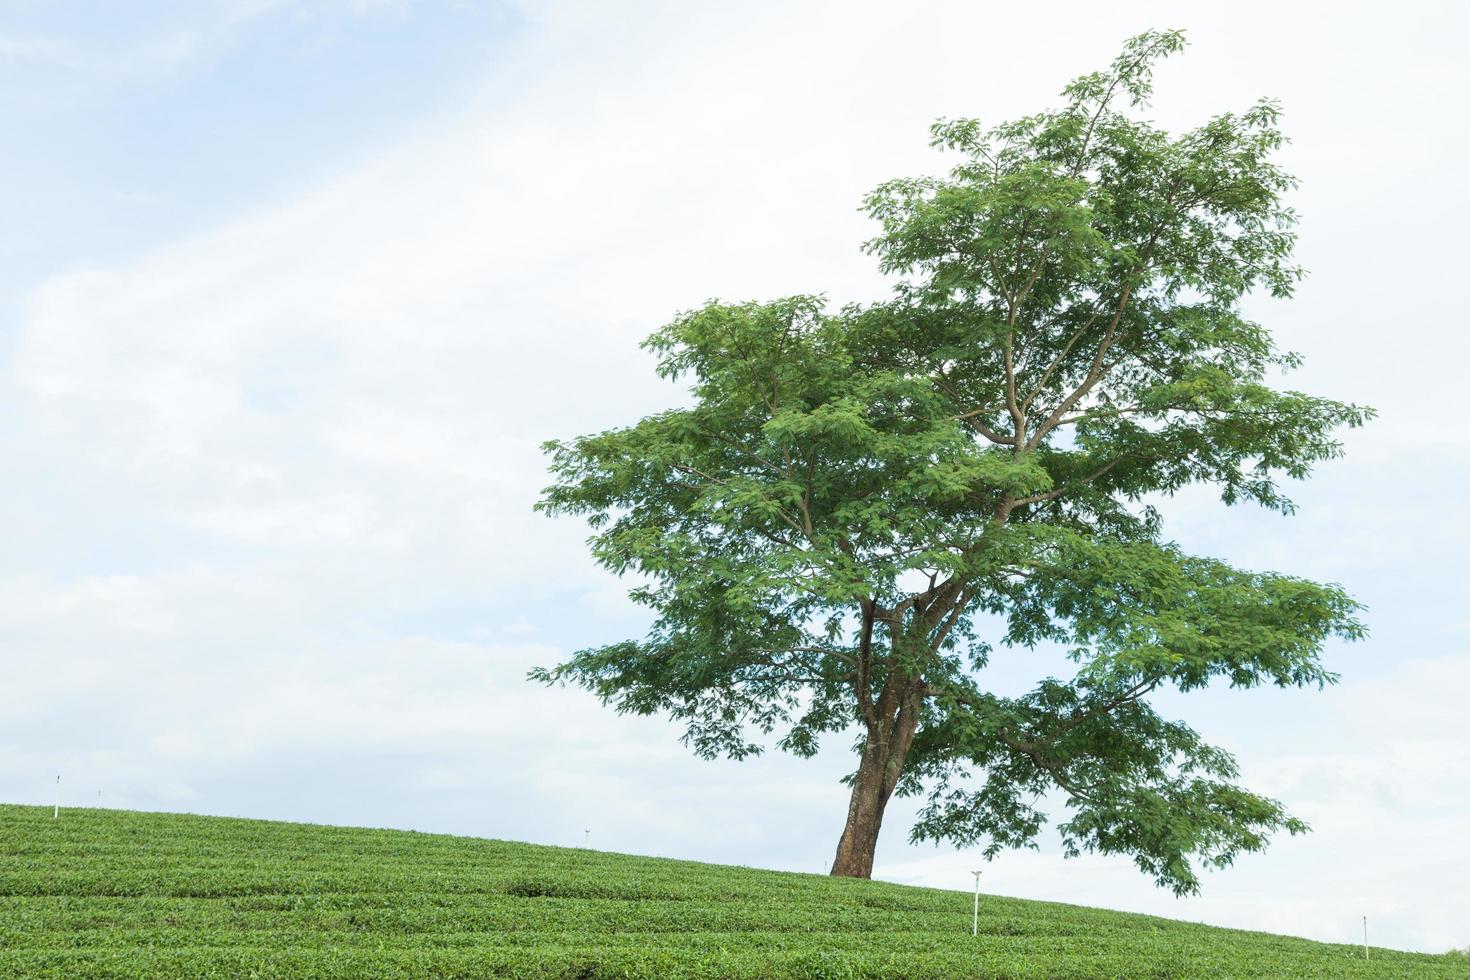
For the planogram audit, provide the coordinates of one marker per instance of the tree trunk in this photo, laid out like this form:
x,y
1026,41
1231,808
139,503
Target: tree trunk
x,y
877,776
864,817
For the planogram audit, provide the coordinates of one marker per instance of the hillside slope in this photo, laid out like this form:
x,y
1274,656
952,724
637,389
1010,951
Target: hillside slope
x,y
106,893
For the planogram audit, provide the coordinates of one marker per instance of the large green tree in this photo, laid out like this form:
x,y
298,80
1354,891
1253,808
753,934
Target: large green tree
x,y
863,506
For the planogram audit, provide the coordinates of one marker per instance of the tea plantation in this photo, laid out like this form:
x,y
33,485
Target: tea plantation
x,y
105,893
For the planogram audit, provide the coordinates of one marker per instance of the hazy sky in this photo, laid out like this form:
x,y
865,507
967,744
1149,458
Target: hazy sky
x,y
293,292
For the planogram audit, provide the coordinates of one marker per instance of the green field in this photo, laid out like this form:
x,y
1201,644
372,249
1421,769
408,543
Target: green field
x,y
108,893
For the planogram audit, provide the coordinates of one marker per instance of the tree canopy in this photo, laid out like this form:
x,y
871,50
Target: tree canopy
x,y
863,506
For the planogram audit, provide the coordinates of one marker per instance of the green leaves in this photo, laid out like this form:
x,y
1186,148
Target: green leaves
x,y
851,489
1139,610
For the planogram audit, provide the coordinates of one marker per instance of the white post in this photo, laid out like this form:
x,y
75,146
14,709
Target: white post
x,y
975,922
56,811
1365,937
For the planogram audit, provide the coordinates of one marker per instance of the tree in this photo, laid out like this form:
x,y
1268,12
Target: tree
x,y
862,506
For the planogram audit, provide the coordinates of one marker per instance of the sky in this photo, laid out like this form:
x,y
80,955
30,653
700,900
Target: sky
x,y
293,292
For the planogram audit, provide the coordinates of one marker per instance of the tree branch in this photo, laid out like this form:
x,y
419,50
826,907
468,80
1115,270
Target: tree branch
x,y
1095,373
1037,498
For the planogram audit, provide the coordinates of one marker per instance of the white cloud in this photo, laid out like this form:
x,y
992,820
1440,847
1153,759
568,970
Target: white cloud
x,y
124,603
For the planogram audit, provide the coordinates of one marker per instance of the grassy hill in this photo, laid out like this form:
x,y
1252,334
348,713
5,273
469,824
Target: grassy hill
x,y
107,893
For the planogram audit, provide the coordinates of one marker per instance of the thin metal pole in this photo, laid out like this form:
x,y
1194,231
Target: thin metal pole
x,y
1365,937
975,922
56,811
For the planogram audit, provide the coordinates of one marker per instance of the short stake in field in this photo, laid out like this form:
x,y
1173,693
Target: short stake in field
x,y
975,922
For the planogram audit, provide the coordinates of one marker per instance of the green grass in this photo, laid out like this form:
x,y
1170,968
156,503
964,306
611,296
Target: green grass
x,y
108,893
